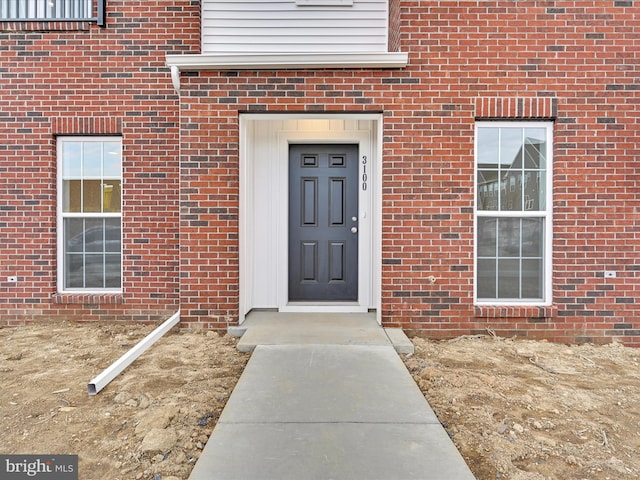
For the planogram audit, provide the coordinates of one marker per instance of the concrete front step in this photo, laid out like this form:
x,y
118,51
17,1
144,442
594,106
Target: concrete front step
x,y
274,328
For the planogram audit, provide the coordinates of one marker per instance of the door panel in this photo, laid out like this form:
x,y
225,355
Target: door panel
x,y
337,202
309,201
323,238
309,261
336,261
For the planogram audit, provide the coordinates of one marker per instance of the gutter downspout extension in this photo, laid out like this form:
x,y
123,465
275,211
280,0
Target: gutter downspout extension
x,y
101,381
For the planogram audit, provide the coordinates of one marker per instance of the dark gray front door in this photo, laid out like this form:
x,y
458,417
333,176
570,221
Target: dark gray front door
x,y
323,226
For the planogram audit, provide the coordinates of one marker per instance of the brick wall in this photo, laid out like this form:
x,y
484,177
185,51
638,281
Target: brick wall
x,y
80,79
575,61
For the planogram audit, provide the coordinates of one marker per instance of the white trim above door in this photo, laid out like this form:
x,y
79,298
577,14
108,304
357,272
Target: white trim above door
x,y
264,167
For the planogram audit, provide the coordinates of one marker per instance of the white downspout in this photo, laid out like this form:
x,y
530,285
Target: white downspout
x,y
175,78
101,381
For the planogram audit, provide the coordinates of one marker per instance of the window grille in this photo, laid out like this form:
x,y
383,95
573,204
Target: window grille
x,y
513,212
89,214
53,10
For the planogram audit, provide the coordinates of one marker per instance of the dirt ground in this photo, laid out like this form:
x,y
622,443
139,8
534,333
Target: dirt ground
x,y
150,422
526,410
516,409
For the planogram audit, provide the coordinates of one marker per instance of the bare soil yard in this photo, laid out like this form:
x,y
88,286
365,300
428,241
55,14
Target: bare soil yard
x,y
526,410
150,422
516,409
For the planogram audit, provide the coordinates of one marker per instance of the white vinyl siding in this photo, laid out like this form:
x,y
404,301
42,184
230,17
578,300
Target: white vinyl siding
x,y
259,26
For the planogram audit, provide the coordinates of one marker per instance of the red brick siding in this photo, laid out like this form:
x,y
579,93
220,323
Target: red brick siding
x,y
394,25
573,61
79,79
577,59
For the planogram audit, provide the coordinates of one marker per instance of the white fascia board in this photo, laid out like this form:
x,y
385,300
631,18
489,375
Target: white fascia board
x,y
286,61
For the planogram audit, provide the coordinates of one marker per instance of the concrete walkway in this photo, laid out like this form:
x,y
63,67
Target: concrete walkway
x,y
326,397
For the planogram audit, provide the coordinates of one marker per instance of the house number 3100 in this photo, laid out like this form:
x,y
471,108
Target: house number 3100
x,y
364,172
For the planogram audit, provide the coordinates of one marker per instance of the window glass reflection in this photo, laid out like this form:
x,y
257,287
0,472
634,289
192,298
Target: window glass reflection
x,y
509,237
509,278
510,148
92,159
487,189
535,148
92,252
532,237
91,186
71,160
488,147
92,196
487,227
511,190
511,177
532,272
112,160
486,278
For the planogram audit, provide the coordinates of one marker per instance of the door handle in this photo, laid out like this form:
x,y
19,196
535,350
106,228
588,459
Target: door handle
x,y
354,229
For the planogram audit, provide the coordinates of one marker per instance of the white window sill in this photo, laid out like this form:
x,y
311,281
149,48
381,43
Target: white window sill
x,y
111,297
515,311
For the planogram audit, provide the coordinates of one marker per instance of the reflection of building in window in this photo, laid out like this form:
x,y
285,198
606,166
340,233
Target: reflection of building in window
x,y
90,213
512,220
519,187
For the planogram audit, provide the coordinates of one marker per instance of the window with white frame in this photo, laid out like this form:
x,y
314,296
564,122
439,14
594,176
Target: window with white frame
x,y
51,10
89,206
513,212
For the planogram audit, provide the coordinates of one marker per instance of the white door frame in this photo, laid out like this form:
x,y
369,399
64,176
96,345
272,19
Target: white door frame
x,y
299,128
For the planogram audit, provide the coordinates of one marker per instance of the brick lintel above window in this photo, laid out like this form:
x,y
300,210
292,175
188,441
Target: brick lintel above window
x,y
488,108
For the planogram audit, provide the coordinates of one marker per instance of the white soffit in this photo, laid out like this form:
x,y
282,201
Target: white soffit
x,y
287,61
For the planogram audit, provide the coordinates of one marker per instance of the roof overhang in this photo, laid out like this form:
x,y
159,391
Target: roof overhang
x,y
281,61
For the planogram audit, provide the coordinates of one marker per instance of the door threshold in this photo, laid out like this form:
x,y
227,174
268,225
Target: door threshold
x,y
329,307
